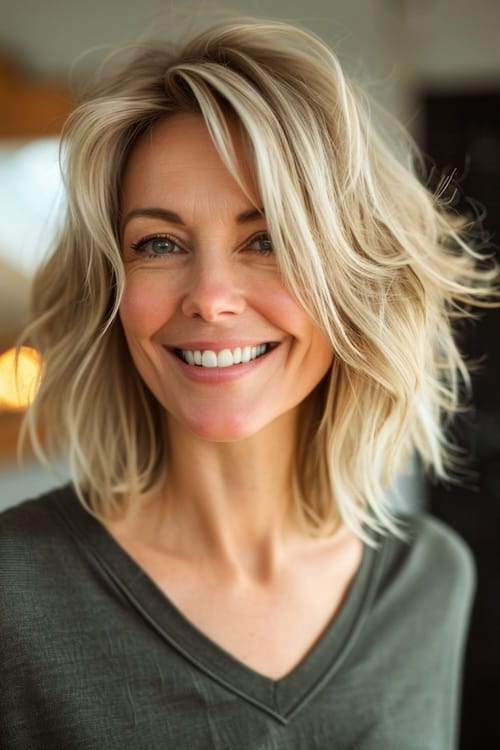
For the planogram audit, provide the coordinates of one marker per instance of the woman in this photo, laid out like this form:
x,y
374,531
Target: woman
x,y
246,331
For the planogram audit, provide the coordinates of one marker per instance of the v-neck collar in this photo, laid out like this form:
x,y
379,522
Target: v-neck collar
x,y
281,698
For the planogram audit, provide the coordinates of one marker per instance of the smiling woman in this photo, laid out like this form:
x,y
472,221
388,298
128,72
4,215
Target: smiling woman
x,y
246,331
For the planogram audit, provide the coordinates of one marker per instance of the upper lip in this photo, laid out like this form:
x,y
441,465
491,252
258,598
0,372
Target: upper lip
x,y
218,346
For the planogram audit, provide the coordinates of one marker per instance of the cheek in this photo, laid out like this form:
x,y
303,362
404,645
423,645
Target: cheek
x,y
286,312
316,348
280,306
143,306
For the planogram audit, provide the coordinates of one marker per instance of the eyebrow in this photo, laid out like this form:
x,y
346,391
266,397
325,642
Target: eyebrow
x,y
246,217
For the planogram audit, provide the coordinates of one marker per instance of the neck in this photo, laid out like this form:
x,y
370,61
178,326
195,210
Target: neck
x,y
229,502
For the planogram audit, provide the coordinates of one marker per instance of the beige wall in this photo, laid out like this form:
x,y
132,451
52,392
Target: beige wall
x,y
399,43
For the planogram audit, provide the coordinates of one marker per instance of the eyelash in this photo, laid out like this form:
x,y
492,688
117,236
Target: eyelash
x,y
140,246
267,250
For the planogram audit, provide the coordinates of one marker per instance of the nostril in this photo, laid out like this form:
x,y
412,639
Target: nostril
x,y
212,294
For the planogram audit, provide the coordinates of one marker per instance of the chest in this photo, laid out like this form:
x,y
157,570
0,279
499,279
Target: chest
x,y
268,628
127,687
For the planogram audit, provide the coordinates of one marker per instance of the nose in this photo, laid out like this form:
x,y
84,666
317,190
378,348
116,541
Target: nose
x,y
213,292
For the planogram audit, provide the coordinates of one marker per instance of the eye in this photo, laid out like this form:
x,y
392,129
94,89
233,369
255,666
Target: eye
x,y
157,245
262,243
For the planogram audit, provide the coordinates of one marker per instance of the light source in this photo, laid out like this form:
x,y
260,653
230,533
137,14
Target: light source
x,y
19,378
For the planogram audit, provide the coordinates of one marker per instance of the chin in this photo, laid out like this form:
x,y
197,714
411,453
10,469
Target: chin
x,y
223,430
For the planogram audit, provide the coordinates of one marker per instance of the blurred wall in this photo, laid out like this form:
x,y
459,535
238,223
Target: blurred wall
x,y
396,44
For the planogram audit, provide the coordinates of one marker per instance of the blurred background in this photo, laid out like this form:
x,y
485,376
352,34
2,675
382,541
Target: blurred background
x,y
434,63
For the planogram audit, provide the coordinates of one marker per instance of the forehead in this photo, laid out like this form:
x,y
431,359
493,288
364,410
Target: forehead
x,y
173,139
181,143
175,173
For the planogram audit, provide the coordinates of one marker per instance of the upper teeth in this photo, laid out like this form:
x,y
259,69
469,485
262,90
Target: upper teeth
x,y
224,358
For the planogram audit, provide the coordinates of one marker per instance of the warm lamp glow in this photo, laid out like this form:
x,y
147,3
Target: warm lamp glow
x,y
19,380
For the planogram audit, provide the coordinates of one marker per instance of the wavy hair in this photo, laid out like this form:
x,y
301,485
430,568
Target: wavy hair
x,y
373,257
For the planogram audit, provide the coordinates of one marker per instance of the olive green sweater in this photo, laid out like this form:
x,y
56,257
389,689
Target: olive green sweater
x,y
93,655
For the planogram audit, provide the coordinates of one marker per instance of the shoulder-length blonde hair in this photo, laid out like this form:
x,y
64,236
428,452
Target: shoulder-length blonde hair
x,y
367,250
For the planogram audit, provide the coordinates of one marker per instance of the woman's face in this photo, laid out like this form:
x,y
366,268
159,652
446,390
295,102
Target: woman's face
x,y
210,325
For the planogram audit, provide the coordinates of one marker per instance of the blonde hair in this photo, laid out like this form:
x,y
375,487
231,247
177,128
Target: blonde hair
x,y
371,255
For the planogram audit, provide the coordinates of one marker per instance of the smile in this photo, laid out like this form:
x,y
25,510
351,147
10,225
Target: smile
x,y
223,358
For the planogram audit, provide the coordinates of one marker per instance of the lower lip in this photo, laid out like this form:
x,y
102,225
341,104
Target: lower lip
x,y
219,375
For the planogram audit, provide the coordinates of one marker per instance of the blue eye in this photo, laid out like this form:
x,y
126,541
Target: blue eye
x,y
262,243
157,246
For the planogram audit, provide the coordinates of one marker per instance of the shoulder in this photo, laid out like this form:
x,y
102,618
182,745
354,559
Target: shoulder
x,y
432,571
435,547
32,540
38,559
31,519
